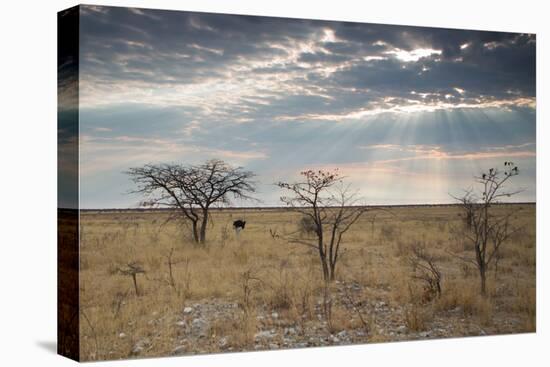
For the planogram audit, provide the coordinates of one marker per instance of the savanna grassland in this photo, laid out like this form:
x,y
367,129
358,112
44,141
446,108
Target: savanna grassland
x,y
254,290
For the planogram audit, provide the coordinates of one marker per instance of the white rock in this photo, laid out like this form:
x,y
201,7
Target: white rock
x,y
342,334
141,345
222,342
122,335
178,349
263,335
290,331
199,326
136,349
187,310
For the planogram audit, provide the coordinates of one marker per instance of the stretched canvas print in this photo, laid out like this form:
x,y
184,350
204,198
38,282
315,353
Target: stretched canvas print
x,y
240,183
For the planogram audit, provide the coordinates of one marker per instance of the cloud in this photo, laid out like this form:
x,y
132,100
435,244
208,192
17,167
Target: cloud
x,y
217,63
102,129
426,152
105,154
413,55
400,105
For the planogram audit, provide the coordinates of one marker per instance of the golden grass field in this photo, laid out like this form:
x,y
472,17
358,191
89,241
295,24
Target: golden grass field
x,y
254,291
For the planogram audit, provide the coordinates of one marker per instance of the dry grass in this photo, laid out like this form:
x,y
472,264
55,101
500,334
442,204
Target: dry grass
x,y
417,317
286,279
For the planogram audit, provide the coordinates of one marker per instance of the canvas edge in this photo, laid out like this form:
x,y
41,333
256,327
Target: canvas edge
x,y
68,261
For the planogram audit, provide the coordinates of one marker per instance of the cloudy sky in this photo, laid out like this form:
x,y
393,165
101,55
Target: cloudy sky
x,y
407,114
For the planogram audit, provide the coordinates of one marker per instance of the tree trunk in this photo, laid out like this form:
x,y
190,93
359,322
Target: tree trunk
x,y
171,274
332,271
195,231
326,271
135,284
204,222
483,279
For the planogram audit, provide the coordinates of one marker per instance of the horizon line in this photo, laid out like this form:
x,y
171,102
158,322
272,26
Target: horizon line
x,y
287,207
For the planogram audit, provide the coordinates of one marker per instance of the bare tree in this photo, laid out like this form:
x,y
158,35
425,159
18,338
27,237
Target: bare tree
x,y
486,229
192,189
331,207
425,269
132,269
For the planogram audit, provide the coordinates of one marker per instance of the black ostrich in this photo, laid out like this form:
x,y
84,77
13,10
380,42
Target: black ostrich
x,y
239,224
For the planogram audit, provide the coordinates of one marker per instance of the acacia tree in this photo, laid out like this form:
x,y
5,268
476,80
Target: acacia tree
x,y
485,228
192,189
332,210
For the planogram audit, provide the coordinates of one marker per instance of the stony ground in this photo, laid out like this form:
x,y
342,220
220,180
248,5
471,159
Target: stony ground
x,y
385,323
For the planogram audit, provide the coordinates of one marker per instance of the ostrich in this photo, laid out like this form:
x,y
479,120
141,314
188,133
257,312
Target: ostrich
x,y
239,225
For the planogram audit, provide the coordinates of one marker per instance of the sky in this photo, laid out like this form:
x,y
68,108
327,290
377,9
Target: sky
x,y
408,115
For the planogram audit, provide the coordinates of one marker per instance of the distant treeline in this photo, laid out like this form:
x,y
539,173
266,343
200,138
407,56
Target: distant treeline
x,y
268,208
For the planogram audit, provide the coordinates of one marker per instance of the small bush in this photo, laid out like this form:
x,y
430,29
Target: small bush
x,y
468,299
417,317
426,271
307,226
